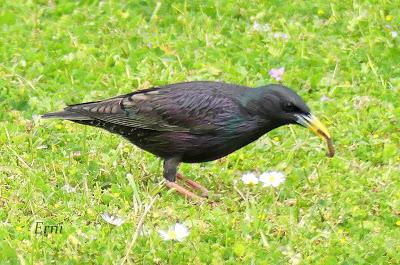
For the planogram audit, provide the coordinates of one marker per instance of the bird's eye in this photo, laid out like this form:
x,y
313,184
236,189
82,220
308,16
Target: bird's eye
x,y
290,107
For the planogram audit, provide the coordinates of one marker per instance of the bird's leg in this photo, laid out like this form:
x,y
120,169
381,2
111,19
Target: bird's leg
x,y
194,185
170,168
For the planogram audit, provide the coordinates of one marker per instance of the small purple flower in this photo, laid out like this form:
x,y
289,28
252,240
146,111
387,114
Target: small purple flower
x,y
76,154
394,34
277,73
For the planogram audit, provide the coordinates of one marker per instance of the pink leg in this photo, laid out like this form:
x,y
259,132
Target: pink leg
x,y
181,190
194,185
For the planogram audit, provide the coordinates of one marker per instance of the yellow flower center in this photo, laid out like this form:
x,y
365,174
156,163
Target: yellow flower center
x,y
271,178
172,234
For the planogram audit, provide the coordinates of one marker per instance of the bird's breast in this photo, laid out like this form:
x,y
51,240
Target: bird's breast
x,y
211,147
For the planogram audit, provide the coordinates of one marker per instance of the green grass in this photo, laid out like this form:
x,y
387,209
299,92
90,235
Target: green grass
x,y
54,53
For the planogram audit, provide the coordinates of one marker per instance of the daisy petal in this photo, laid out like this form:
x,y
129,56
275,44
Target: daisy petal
x,y
113,220
181,231
164,235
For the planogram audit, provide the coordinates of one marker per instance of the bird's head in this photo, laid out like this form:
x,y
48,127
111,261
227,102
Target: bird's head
x,y
285,106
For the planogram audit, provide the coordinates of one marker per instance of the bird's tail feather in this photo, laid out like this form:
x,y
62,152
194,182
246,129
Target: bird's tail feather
x,y
65,115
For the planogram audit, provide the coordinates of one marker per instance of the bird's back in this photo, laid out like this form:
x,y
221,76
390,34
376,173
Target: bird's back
x,y
199,120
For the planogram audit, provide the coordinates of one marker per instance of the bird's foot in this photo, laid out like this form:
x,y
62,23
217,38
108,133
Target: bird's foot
x,y
183,191
187,193
194,185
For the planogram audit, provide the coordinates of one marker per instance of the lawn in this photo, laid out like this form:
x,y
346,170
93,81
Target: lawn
x,y
342,57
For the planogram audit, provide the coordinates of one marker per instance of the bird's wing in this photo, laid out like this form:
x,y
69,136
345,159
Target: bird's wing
x,y
165,109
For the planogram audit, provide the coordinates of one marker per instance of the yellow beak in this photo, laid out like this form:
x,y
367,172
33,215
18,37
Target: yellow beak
x,y
312,122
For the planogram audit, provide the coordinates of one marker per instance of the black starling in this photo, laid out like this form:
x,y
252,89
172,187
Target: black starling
x,y
195,121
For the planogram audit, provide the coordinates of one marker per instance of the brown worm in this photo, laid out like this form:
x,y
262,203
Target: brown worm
x,y
331,149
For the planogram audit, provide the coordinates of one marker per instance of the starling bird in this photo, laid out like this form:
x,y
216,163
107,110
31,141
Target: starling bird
x,y
195,121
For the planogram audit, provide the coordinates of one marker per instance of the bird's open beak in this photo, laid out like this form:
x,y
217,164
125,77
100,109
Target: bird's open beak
x,y
312,122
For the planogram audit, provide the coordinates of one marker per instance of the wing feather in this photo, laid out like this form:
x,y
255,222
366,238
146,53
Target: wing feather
x,y
166,109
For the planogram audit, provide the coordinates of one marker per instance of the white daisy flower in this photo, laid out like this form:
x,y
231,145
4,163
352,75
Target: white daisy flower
x,y
36,118
114,220
325,98
295,259
272,178
280,35
261,27
249,179
68,188
177,232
